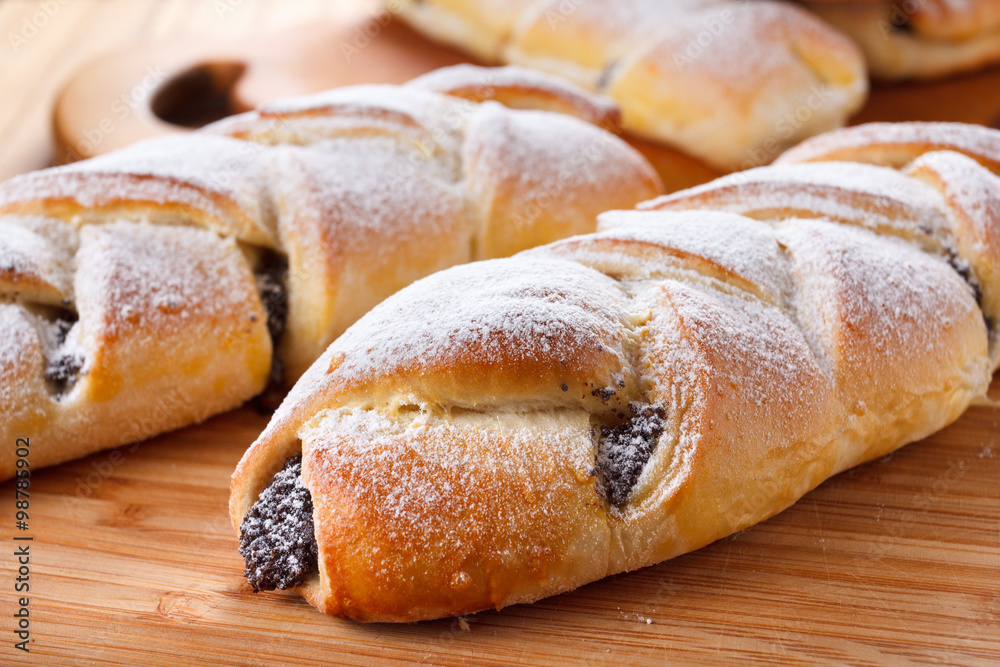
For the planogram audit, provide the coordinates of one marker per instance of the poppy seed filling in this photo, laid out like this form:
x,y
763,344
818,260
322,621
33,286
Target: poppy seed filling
x,y
624,450
277,541
65,364
271,277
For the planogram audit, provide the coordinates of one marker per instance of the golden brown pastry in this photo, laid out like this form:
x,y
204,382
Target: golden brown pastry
x,y
511,429
732,83
907,39
145,289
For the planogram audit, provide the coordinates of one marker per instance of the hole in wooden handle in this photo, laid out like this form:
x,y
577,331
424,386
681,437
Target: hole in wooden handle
x,y
199,95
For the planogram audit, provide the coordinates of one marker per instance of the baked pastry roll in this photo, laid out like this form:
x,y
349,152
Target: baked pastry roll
x,y
511,429
155,286
915,39
732,83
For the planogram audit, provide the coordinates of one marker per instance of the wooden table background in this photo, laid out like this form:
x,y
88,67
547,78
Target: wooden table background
x,y
134,563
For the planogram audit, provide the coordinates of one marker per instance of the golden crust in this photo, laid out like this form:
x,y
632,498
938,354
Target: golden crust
x,y
897,144
735,414
958,164
880,199
479,367
185,180
746,110
972,197
520,88
35,267
455,465
581,41
339,268
522,199
536,470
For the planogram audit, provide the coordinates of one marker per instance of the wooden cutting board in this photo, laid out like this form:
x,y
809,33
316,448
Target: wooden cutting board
x,y
133,561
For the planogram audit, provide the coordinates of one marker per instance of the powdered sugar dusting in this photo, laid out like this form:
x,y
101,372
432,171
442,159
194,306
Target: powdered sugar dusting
x,y
620,23
201,172
203,160
869,298
732,242
972,189
474,487
20,349
137,278
471,82
876,197
395,204
524,309
895,144
625,448
404,103
879,286
752,52
750,352
574,157
37,251
870,330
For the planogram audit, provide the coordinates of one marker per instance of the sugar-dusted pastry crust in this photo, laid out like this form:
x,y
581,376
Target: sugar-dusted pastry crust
x,y
146,289
507,430
732,83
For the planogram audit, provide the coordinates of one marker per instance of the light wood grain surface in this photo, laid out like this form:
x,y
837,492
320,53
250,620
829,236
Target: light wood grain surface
x,y
134,563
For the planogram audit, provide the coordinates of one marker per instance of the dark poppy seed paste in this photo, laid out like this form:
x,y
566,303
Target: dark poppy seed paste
x,y
277,541
624,450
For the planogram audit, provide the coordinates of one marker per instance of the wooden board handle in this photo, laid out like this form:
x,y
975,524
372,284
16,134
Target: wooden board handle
x,y
139,93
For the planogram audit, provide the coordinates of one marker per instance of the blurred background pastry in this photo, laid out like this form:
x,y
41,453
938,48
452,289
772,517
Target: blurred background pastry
x,y
918,39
